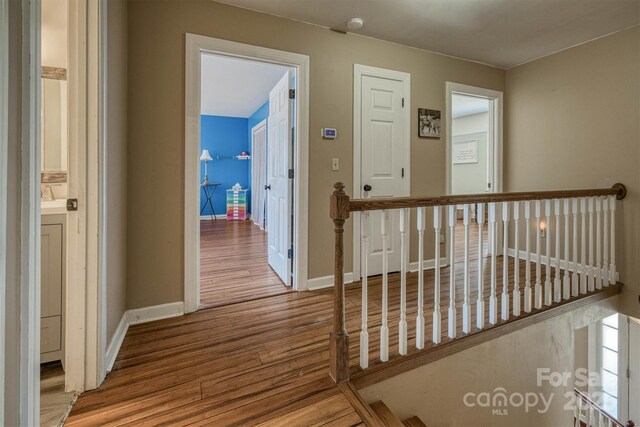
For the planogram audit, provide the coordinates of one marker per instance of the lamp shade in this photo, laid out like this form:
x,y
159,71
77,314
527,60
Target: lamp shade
x,y
205,155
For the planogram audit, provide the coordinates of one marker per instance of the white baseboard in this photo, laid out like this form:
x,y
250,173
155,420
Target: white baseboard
x,y
137,316
208,217
116,341
543,260
327,281
155,312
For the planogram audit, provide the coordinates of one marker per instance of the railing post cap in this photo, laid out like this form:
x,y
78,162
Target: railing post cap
x,y
621,189
339,208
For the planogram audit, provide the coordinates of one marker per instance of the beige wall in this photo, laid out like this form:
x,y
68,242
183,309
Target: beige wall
x,y
116,123
156,125
435,392
573,121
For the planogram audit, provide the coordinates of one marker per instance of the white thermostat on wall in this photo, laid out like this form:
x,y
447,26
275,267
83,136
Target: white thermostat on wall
x,y
329,133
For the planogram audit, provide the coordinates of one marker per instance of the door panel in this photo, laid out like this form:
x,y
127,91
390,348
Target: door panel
x,y
279,153
382,161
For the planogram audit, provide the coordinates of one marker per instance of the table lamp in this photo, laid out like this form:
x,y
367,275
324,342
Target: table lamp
x,y
206,157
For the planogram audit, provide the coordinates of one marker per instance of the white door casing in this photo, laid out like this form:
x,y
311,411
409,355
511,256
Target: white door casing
x,y
381,157
279,154
195,45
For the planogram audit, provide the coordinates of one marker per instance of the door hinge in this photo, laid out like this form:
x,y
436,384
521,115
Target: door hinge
x,y
403,172
628,373
292,94
402,102
290,173
290,253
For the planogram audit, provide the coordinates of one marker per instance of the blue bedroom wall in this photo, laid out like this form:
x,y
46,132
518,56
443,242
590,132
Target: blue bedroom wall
x,y
225,137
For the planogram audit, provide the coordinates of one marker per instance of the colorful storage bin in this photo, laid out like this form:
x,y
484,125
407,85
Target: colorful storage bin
x,y
236,205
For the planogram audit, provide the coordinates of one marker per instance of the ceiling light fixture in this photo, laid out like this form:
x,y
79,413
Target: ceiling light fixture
x,y
355,24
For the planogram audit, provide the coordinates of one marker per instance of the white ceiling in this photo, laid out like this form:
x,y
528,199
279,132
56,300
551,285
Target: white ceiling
x,y
503,33
464,105
236,87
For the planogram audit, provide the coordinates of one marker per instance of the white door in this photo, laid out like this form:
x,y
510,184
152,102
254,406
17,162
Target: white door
x,y
258,173
279,150
383,156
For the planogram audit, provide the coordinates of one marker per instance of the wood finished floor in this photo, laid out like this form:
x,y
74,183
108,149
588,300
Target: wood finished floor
x,y
234,265
256,361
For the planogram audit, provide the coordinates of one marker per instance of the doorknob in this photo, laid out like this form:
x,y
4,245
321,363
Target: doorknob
x,y
366,187
267,187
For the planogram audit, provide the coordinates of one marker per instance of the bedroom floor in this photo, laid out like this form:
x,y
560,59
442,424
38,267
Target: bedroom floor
x,y
233,254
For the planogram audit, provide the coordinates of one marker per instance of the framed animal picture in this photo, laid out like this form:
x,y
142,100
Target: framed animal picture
x,y
428,123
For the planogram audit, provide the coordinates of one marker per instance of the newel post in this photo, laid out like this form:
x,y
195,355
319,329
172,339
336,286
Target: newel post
x,y
339,339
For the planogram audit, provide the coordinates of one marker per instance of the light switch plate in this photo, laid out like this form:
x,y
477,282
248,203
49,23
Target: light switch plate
x,y
335,165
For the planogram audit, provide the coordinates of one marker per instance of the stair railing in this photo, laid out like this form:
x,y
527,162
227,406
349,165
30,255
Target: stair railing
x,y
587,413
581,223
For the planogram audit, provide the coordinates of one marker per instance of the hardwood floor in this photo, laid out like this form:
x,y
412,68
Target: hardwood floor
x,y
233,264
255,361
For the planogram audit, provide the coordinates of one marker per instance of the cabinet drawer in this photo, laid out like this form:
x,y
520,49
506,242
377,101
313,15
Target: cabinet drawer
x,y
50,334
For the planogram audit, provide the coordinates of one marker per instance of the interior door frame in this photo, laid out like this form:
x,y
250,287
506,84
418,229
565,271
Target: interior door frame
x,y
4,148
495,134
195,46
256,128
358,72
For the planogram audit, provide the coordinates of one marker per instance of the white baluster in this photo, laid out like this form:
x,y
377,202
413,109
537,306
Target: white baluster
x,y
527,234
612,264
583,246
575,283
384,328
557,282
566,281
577,412
493,299
604,268
466,307
516,260
437,328
364,261
547,269
597,276
402,326
422,219
538,286
452,271
480,301
505,262
590,273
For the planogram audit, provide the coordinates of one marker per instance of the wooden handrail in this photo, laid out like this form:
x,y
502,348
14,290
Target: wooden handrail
x,y
359,205
586,398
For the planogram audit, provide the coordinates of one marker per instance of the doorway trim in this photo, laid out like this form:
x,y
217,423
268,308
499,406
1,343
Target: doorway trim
x,y
495,132
195,46
358,72
4,148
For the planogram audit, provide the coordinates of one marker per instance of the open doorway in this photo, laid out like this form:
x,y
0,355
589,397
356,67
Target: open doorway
x,y
246,150
54,400
474,157
286,195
